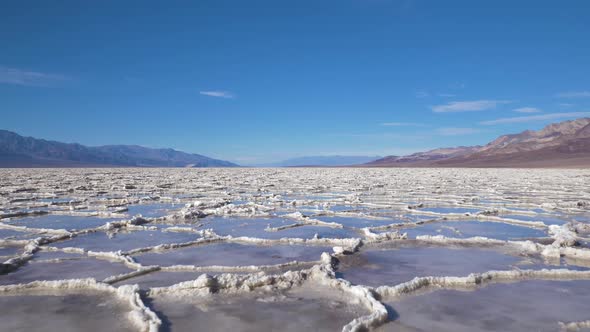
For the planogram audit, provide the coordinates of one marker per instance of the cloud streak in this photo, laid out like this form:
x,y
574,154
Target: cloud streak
x,y
21,77
532,118
468,106
445,95
574,94
218,94
457,131
403,124
527,110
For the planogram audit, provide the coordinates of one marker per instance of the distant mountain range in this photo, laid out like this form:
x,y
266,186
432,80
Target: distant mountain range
x,y
19,151
564,144
322,161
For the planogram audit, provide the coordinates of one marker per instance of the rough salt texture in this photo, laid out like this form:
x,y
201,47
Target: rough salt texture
x,y
209,234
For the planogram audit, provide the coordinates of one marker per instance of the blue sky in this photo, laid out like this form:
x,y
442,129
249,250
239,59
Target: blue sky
x,y
260,81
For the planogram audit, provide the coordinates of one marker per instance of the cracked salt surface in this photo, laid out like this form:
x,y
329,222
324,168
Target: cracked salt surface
x,y
294,249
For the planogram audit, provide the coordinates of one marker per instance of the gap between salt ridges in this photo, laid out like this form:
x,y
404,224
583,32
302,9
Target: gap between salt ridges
x,y
564,242
420,284
142,317
340,246
35,213
485,215
223,207
564,236
138,223
322,274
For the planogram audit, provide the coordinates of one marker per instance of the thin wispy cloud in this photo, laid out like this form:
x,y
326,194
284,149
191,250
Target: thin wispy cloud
x,y
527,110
468,106
445,95
457,85
403,124
388,135
218,94
532,118
574,94
457,131
22,77
422,94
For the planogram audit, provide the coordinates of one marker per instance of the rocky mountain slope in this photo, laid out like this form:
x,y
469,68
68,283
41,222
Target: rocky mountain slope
x,y
564,144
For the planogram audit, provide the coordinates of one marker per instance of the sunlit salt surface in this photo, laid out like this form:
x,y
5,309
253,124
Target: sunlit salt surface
x,y
522,306
294,249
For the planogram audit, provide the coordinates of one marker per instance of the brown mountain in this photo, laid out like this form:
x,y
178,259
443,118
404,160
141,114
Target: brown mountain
x,y
564,144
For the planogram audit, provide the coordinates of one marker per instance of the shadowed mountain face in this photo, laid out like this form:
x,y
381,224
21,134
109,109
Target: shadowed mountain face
x,y
564,144
19,151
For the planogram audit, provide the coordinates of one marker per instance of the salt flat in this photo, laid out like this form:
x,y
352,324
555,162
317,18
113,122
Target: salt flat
x,y
362,248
